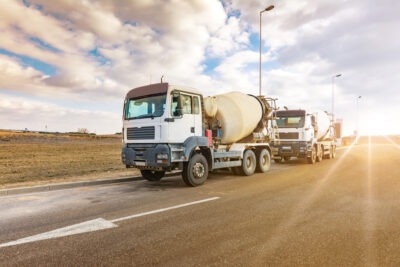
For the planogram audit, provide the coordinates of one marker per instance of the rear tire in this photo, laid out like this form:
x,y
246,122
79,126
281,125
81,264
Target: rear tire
x,y
329,156
320,154
287,158
249,163
313,157
195,172
152,175
278,160
263,160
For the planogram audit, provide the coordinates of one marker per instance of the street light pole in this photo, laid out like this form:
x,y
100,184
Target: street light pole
x,y
358,113
262,11
333,95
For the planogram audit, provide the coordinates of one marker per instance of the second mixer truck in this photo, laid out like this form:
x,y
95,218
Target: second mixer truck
x,y
167,127
303,134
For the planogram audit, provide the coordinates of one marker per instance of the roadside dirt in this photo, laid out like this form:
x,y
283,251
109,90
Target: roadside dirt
x,y
28,159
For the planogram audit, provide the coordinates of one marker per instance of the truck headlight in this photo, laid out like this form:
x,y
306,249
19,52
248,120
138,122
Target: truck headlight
x,y
162,156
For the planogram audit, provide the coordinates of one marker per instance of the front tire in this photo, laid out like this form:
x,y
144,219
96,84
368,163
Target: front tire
x,y
313,157
333,152
152,176
195,172
263,161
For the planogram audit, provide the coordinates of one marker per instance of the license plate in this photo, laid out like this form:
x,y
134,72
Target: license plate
x,y
140,163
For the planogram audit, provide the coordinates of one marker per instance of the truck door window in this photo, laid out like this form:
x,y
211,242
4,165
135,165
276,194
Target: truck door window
x,y
186,104
176,109
196,105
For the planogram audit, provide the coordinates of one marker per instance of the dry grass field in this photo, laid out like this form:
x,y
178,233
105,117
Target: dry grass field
x,y
28,158
34,158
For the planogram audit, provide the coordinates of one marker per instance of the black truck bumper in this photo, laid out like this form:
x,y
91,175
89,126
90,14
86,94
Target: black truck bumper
x,y
291,149
146,156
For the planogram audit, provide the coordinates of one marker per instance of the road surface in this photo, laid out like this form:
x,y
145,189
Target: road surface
x,y
340,212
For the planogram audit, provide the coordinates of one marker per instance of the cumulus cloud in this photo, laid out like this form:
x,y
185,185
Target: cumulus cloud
x,y
100,49
40,116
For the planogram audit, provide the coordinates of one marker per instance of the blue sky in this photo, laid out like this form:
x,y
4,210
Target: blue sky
x,y
73,60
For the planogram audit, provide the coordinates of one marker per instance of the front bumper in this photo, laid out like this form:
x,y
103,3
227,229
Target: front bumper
x,y
291,149
144,156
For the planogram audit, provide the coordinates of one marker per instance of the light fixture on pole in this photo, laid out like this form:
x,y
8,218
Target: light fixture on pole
x,y
357,118
333,95
262,11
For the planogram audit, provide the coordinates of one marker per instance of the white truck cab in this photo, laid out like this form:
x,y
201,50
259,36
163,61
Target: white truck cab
x,y
165,128
303,134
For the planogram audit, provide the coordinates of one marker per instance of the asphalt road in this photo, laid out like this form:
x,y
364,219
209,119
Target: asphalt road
x,y
340,212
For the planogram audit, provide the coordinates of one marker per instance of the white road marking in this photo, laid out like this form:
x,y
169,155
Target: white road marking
x,y
93,225
165,209
85,227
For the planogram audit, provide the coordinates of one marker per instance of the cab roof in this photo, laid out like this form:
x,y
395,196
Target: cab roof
x,y
157,88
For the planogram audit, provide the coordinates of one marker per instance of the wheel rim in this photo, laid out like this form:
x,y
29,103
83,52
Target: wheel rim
x,y
249,163
264,160
198,170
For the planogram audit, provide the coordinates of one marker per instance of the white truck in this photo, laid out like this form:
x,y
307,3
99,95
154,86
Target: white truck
x,y
303,134
167,127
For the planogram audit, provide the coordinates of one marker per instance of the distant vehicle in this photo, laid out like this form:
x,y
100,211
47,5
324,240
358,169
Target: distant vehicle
x,y
303,134
167,127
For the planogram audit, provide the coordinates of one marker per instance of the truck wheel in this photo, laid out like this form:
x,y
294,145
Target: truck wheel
x,y
286,158
195,172
313,157
152,175
320,153
278,160
333,152
248,163
329,156
263,160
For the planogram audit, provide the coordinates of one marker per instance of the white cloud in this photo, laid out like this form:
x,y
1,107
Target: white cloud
x,y
37,115
305,43
229,38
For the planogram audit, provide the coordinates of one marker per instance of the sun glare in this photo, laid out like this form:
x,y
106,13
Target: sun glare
x,y
282,230
369,215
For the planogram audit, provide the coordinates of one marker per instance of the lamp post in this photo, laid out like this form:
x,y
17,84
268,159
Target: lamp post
x,y
262,11
333,95
357,118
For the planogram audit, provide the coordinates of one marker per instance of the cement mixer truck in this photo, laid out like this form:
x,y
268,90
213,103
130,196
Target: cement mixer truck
x,y
167,127
303,134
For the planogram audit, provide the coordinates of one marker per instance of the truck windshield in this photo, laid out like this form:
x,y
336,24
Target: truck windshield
x,y
145,107
290,122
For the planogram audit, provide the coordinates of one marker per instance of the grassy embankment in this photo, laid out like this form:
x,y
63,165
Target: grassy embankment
x,y
33,158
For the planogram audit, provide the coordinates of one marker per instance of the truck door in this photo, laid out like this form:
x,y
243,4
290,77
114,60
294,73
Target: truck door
x,y
183,125
198,120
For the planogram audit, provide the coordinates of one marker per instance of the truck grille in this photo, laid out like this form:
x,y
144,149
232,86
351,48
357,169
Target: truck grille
x,y
142,133
289,135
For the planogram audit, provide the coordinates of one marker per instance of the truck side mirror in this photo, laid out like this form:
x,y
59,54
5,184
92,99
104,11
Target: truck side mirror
x,y
313,121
